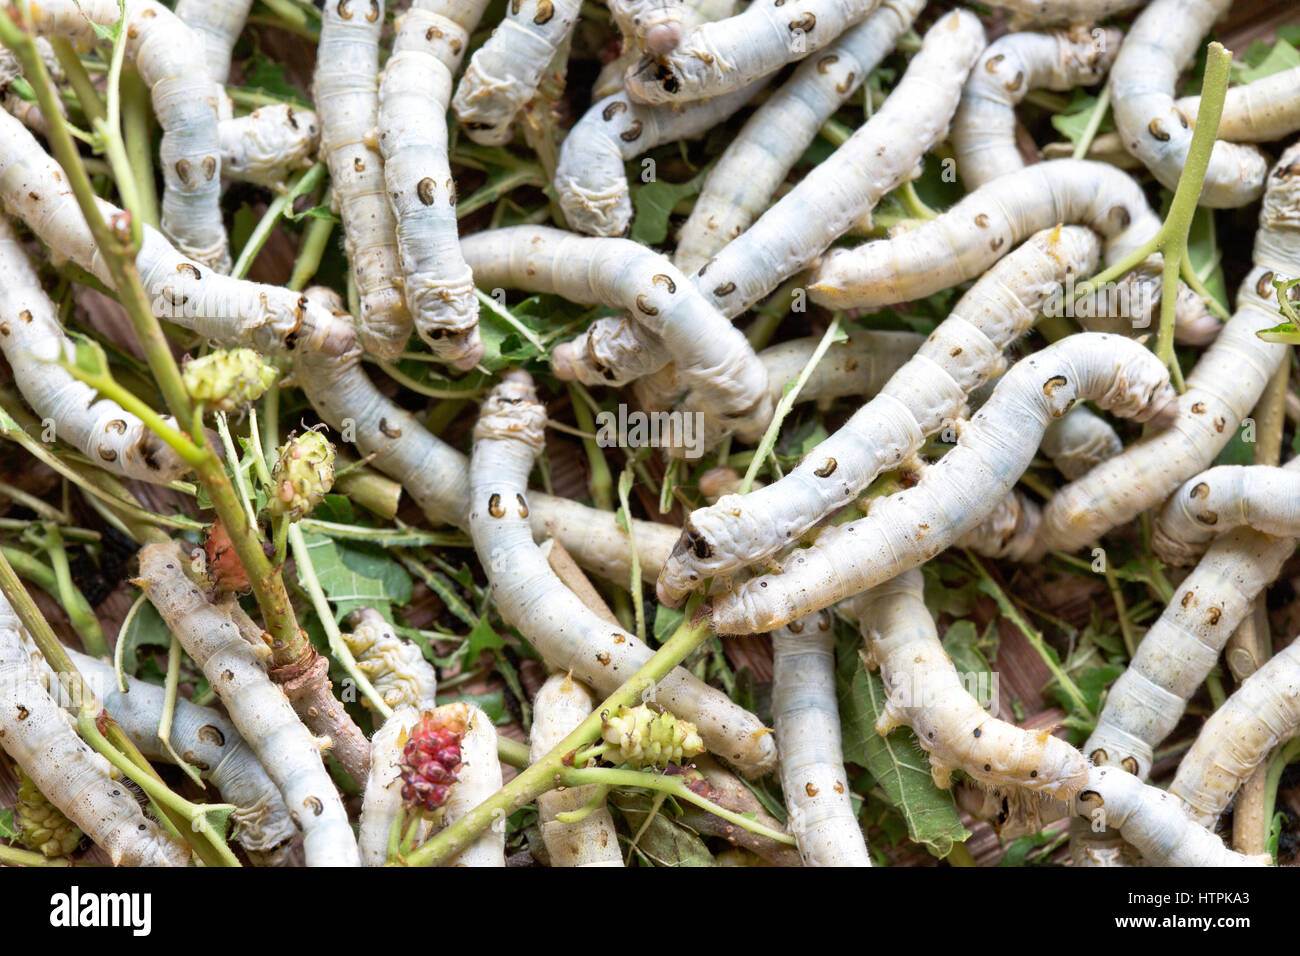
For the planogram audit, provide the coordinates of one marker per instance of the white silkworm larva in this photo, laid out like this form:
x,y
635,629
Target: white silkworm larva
x,y
33,341
1221,390
694,12
218,23
185,101
718,57
713,358
382,803
27,112
1152,820
1162,41
560,705
748,173
271,319
1036,13
926,693
883,153
43,740
1008,532
1259,112
1262,713
984,129
211,743
437,476
652,26
929,391
346,93
1079,442
591,179
1262,497
807,720
954,495
257,707
394,665
504,73
477,779
556,623
413,94
268,144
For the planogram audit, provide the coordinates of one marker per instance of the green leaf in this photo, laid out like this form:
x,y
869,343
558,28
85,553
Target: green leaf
x,y
269,76
90,356
667,620
109,33
664,843
354,575
482,638
1203,253
1287,333
24,89
7,829
493,704
1094,680
962,642
502,344
147,629
654,203
1072,123
1262,60
1021,848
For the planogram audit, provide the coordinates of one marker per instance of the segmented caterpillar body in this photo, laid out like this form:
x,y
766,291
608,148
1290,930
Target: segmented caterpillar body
x,y
42,739
346,93
807,721
1162,41
993,449
556,623
394,665
218,24
257,707
924,395
1009,530
1037,13
382,804
186,102
478,778
748,173
649,26
1221,390
268,144
694,12
560,705
1080,442
26,111
984,129
33,342
1262,111
926,693
1214,502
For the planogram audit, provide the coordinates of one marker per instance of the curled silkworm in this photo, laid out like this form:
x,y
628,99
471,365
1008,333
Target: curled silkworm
x,y
347,100
394,665
649,26
382,805
1037,13
478,778
218,24
42,739
749,171
504,73
1009,531
883,153
716,58
185,101
560,705
717,365
33,342
1162,41
984,129
1079,442
926,394
257,707
590,178
993,449
807,721
1262,497
268,144
208,741
1257,112
1221,390
568,635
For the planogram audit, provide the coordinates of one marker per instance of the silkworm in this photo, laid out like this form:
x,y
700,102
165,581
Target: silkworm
x,y
1038,13
268,144
716,58
10,69
984,129
1221,390
1262,713
747,174
926,693
42,739
993,449
1160,44
382,804
257,707
964,241
1258,112
413,94
185,101
591,179
211,743
694,12
716,363
346,93
560,705
1009,531
394,665
882,154
1152,820
807,721
217,23
649,26
271,319
529,595
927,392
437,476
1080,442
504,73
479,777
1262,497
33,342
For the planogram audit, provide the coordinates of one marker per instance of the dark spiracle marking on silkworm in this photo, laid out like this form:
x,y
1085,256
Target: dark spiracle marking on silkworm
x,y
632,133
613,109
826,62
494,506
372,15
1199,490
212,735
183,170
344,9
545,10
645,307
523,505
117,426
991,64
725,289
209,167
391,431
107,454
804,24
1157,130
827,469
666,281
189,269
1130,764
426,190
1053,383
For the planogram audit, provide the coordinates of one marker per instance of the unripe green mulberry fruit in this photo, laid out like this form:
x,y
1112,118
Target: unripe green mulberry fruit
x,y
651,738
227,380
41,825
303,475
